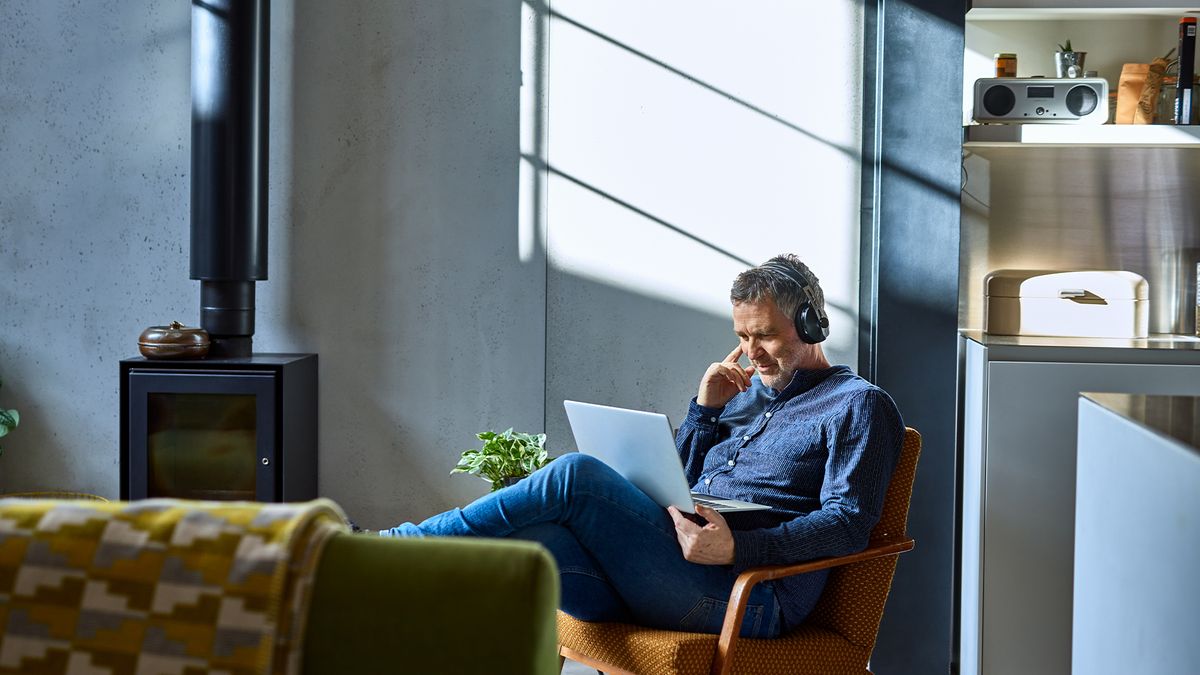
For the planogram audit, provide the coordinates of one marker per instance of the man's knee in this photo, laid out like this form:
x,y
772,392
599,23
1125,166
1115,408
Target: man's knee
x,y
579,464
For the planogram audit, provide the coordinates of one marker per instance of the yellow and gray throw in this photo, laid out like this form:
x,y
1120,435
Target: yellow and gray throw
x,y
157,586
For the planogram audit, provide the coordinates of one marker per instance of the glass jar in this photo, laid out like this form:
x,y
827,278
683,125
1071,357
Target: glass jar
x,y
1164,111
1006,65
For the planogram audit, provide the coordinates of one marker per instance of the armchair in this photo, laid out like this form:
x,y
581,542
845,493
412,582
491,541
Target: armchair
x,y
837,637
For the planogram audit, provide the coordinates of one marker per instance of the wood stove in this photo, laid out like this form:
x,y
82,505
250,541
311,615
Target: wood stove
x,y
235,425
220,428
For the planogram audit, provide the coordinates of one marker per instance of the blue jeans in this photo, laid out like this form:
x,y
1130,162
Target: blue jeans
x,y
616,550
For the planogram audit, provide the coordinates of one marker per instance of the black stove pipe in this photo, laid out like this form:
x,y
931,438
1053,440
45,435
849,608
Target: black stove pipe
x,y
230,68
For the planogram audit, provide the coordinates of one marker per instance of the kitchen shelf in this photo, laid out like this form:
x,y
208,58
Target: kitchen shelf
x,y
1081,14
1081,135
1070,10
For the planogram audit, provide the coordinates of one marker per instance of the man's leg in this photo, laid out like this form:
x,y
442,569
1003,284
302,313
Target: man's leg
x,y
587,593
630,538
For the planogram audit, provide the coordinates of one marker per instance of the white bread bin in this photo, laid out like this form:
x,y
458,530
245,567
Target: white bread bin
x,y
1099,304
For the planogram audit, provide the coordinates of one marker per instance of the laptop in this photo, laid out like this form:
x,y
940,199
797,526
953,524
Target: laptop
x,y
640,446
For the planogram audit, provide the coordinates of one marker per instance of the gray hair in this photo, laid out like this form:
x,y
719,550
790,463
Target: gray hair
x,y
769,281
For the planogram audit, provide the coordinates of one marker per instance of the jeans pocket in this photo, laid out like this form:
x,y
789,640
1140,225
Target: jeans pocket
x,y
709,613
697,619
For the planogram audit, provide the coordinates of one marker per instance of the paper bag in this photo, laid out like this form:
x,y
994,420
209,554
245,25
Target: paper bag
x,y
1129,92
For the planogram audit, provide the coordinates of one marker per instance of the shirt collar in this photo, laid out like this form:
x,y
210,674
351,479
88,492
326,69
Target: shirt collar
x,y
804,380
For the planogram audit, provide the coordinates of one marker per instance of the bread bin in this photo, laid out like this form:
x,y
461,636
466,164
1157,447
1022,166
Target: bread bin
x,y
1088,304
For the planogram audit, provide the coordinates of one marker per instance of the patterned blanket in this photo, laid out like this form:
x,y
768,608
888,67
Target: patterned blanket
x,y
157,586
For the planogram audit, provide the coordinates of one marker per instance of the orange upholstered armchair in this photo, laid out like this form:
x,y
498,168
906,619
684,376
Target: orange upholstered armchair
x,y
837,637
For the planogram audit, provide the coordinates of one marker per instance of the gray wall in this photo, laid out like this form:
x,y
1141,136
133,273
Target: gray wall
x,y
394,132
94,138
915,72
415,191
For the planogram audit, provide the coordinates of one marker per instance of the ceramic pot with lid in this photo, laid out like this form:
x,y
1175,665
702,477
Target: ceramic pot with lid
x,y
175,341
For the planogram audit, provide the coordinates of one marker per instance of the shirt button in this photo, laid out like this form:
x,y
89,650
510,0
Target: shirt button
x,y
712,419
767,415
730,462
707,481
745,438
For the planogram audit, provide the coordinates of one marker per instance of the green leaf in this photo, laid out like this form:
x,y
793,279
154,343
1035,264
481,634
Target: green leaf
x,y
507,454
9,419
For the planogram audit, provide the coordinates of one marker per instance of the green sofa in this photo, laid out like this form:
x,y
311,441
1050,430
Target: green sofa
x,y
134,585
432,606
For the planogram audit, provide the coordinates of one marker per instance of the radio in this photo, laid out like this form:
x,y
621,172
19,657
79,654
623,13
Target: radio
x,y
1043,100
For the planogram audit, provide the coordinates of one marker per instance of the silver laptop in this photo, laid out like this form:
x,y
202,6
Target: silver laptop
x,y
640,446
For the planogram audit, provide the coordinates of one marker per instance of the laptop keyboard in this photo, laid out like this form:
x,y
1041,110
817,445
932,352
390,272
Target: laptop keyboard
x,y
705,502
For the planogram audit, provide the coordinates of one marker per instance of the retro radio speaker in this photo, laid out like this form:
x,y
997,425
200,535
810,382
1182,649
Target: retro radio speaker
x,y
1043,100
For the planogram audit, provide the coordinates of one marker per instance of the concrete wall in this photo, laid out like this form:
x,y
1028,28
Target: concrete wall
x,y
416,188
94,138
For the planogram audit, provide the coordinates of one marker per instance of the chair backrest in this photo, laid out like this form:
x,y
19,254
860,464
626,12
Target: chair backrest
x,y
854,596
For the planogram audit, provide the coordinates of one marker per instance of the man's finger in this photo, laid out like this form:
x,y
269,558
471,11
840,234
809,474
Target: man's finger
x,y
734,355
737,376
711,515
677,516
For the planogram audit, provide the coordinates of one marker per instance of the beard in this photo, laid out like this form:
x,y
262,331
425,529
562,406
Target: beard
x,y
777,376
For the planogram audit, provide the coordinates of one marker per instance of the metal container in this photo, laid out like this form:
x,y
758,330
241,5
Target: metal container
x,y
1091,304
175,341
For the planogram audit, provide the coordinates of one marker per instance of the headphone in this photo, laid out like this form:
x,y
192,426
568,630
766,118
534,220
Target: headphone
x,y
812,324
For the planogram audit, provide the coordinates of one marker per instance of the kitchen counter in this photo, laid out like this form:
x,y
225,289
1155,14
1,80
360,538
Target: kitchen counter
x,y
1137,534
1154,349
1019,412
1173,417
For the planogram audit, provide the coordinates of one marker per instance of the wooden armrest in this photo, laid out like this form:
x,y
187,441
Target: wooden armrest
x,y
739,597
877,549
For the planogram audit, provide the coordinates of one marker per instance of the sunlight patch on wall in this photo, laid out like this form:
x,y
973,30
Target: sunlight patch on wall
x,y
677,157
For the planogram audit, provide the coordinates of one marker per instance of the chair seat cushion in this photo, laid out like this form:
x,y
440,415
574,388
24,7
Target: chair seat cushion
x,y
649,651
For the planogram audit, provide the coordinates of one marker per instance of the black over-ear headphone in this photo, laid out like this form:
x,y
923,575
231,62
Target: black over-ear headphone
x,y
812,324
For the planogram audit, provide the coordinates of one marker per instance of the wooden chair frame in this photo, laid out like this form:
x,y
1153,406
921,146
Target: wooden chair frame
x,y
740,596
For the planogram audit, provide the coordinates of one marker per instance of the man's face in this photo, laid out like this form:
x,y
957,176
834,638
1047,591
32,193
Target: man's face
x,y
769,339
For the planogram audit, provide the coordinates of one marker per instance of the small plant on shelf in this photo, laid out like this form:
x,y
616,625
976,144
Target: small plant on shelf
x,y
505,457
1065,47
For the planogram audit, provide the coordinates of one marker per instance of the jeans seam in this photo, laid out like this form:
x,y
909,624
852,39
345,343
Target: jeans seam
x,y
585,572
623,507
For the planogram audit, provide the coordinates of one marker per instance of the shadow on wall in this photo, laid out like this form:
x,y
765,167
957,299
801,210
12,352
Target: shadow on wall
x,y
661,353
54,468
652,359
404,272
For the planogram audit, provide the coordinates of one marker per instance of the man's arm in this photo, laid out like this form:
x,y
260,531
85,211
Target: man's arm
x,y
863,453
700,431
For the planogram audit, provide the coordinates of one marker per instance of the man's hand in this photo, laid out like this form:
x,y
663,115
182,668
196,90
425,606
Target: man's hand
x,y
711,544
723,380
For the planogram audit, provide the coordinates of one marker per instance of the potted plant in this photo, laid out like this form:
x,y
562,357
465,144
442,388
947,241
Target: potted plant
x,y
9,419
1067,61
505,457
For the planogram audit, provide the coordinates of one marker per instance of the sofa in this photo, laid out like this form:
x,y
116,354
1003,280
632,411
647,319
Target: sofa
x,y
241,588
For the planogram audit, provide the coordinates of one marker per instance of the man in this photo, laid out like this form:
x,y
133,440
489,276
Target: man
x,y
815,442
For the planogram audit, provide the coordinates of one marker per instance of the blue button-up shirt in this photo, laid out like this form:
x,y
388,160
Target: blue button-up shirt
x,y
820,453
